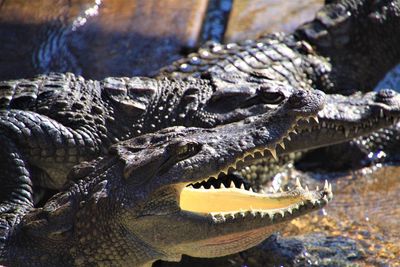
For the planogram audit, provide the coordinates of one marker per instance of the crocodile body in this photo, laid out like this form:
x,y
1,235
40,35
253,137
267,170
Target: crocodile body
x,y
139,197
340,51
69,120
60,120
51,123
347,48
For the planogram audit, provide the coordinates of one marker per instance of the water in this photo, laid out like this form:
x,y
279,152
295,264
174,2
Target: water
x,y
366,209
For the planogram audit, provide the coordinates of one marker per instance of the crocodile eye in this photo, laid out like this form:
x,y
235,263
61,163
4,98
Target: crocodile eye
x,y
183,150
271,97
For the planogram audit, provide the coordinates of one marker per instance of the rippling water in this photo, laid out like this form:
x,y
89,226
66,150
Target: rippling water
x,y
365,208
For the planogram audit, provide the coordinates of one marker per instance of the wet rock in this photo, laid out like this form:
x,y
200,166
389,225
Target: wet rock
x,y
249,19
315,249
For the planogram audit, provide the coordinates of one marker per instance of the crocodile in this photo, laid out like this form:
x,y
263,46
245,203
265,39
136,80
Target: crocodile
x,y
158,196
84,117
340,51
343,119
56,121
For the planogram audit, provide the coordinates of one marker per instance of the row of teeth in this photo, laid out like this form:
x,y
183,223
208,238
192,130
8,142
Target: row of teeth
x,y
346,131
327,188
272,151
272,214
240,160
223,216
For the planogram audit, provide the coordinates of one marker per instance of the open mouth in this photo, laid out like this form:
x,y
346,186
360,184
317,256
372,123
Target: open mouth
x,y
223,195
213,196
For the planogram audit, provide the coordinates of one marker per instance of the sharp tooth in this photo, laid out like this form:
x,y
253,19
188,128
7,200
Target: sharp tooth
x,y
242,186
381,113
298,184
324,124
213,216
212,187
232,185
282,145
251,189
325,198
288,138
326,185
330,187
346,132
315,118
317,188
202,187
307,120
273,153
307,188
280,189
294,131
222,186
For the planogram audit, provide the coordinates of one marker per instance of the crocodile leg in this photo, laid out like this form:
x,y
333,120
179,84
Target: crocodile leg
x,y
46,144
16,187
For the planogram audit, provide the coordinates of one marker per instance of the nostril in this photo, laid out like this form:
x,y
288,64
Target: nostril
x,y
385,94
297,99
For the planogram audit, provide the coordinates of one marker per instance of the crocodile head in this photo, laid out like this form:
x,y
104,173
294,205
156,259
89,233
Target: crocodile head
x,y
159,196
344,118
188,209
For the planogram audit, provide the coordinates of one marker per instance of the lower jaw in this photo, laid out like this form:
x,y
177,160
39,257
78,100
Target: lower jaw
x,y
234,242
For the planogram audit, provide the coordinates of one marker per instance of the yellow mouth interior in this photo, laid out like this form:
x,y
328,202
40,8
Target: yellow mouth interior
x,y
232,200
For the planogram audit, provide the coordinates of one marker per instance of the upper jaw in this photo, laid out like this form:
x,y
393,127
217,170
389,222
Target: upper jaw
x,y
336,126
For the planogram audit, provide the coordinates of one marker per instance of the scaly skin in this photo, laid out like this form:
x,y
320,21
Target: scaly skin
x,y
348,47
343,118
328,53
51,123
129,207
